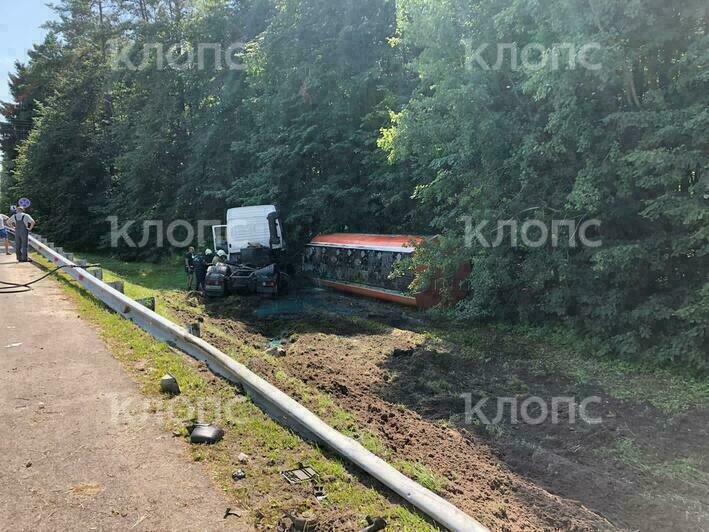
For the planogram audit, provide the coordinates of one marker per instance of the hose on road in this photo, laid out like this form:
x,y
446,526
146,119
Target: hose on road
x,y
18,288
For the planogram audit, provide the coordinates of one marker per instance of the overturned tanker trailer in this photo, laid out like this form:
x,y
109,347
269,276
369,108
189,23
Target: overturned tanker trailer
x,y
362,264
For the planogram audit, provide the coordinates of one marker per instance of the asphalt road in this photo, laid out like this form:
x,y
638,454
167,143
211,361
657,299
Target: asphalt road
x,y
73,456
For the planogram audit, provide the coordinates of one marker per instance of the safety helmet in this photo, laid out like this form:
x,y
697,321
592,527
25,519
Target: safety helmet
x,y
221,253
207,251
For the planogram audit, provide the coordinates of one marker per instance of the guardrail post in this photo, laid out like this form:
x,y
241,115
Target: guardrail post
x,y
81,263
147,302
194,329
117,285
98,273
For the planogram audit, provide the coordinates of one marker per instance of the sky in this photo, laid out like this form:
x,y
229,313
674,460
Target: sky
x,y
20,22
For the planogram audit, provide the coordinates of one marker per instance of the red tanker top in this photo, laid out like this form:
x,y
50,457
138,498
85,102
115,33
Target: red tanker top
x,y
395,243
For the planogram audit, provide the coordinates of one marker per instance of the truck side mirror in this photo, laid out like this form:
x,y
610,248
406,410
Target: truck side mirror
x,y
273,220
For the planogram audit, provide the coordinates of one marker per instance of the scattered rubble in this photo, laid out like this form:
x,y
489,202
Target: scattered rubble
x,y
243,458
289,523
169,385
374,524
302,474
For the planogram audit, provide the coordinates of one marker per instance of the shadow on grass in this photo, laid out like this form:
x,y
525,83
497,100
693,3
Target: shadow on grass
x,y
569,456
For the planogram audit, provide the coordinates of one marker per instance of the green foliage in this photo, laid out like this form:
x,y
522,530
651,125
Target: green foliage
x,y
625,143
376,115
322,80
29,85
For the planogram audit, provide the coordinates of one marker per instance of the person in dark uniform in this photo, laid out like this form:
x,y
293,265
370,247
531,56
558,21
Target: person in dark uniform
x,y
189,266
200,271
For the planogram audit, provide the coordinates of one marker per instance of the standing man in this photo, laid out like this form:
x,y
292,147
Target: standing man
x,y
200,271
3,234
22,223
189,267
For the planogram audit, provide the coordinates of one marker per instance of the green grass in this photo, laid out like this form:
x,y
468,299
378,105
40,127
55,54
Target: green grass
x,y
544,351
667,390
272,447
421,474
167,280
560,350
628,452
145,279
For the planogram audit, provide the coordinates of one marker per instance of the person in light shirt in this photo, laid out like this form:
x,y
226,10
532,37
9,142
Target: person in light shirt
x,y
22,223
3,234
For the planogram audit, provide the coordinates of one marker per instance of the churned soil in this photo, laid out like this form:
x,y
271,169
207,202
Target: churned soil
x,y
377,362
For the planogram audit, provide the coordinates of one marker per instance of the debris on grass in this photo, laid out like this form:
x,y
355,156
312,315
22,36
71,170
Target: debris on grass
x,y
374,524
239,474
229,512
319,492
243,458
195,329
169,385
301,474
203,433
276,348
289,523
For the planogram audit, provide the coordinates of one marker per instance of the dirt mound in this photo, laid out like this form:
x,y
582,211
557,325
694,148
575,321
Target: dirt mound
x,y
474,477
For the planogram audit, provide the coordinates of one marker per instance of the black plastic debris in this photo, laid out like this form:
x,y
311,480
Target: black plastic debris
x,y
319,492
302,474
239,474
374,524
289,523
202,433
229,512
169,385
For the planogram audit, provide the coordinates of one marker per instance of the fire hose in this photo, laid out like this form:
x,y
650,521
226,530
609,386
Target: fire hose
x,y
18,288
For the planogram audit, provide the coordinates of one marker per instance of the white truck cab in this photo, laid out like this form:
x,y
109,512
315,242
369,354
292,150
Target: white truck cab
x,y
258,226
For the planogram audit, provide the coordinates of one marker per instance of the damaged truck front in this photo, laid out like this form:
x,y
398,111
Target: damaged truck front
x,y
254,245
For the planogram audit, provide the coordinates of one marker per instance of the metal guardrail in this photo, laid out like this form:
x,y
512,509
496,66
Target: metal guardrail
x,y
273,401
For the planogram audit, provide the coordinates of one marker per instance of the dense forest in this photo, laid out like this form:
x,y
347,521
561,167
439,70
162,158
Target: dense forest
x,y
425,116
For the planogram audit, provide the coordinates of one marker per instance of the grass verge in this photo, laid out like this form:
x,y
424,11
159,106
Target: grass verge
x,y
561,351
270,447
